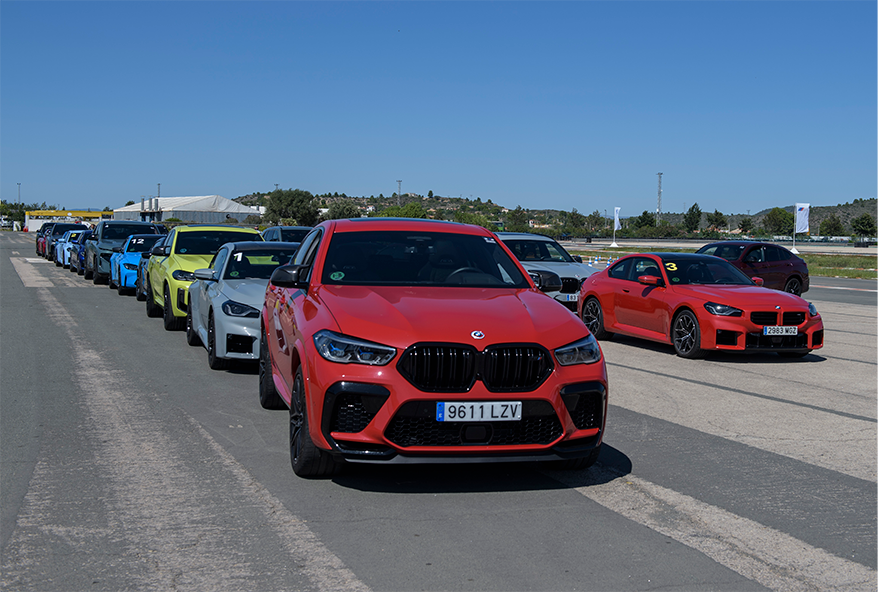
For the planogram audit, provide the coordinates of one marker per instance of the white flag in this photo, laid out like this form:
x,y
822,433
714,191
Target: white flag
x,y
802,211
618,225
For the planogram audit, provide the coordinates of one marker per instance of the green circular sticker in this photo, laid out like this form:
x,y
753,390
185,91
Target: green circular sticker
x,y
234,273
337,275
674,279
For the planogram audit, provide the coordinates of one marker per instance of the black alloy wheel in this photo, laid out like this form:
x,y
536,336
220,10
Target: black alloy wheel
x,y
793,286
87,273
593,317
687,335
152,309
191,336
213,361
171,322
308,461
269,398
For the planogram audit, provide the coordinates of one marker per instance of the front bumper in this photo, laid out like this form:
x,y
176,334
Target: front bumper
x,y
236,337
742,334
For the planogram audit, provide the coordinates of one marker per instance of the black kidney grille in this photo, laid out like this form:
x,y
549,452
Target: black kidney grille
x,y
793,318
519,369
569,285
415,425
439,368
350,415
764,318
454,368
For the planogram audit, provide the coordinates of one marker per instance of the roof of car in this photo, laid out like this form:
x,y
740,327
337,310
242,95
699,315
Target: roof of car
x,y
291,227
263,246
524,236
192,227
422,224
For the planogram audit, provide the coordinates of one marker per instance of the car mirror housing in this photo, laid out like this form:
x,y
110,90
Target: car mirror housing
x,y
547,281
651,280
146,255
205,274
758,281
289,276
117,249
577,258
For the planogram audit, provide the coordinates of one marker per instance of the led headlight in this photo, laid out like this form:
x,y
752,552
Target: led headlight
x,y
183,276
722,310
350,350
813,310
584,351
236,309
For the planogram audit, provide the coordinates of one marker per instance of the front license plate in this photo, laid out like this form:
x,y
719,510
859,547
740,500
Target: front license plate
x,y
777,330
569,297
496,411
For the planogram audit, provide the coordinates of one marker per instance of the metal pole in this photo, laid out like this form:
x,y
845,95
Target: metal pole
x,y
19,193
398,191
658,209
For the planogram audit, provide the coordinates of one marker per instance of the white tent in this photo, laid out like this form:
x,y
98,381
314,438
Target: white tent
x,y
210,209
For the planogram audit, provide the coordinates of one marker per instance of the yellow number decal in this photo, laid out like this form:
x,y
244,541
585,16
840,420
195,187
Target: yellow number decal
x,y
671,266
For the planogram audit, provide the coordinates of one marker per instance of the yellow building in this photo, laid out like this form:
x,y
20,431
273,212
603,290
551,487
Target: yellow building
x,y
33,220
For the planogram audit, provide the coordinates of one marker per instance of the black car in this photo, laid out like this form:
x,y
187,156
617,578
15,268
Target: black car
x,y
286,234
58,230
108,234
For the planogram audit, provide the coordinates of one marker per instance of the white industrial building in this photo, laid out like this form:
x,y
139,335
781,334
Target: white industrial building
x,y
203,209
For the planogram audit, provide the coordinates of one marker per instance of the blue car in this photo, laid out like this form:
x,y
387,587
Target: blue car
x,y
62,252
125,259
77,253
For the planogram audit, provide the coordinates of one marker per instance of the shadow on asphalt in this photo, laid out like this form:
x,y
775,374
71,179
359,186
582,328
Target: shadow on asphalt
x,y
480,478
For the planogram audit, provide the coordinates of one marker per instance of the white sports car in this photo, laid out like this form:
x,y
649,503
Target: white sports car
x,y
225,299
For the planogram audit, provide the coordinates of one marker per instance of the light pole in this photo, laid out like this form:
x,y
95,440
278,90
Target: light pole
x,y
398,191
19,193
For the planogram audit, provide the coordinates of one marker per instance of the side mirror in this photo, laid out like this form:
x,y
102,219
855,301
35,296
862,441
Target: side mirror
x,y
157,251
289,276
146,255
547,281
758,281
92,238
651,280
117,249
205,274
577,258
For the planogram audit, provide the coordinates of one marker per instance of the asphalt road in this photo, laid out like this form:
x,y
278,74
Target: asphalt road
x,y
127,464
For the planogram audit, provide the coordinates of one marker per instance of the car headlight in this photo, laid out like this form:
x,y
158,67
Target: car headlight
x,y
236,309
813,310
350,350
183,276
129,266
723,310
584,351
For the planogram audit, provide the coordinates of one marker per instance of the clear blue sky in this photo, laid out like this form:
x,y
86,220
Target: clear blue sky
x,y
742,105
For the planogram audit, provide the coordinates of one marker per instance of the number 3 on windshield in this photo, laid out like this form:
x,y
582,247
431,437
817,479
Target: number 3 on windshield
x,y
671,266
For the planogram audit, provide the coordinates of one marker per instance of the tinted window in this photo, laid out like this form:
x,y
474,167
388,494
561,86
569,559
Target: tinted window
x,y
419,259
619,271
772,253
256,264
727,252
139,244
537,250
755,256
208,242
292,235
60,229
703,271
645,266
120,231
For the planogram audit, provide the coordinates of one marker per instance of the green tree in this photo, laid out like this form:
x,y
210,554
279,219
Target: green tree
x,y
779,221
409,210
297,204
864,225
344,208
476,219
430,194
516,220
129,203
644,220
595,221
831,226
716,220
746,225
692,218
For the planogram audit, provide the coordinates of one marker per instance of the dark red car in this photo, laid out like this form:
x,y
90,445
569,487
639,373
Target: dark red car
x,y
416,341
778,267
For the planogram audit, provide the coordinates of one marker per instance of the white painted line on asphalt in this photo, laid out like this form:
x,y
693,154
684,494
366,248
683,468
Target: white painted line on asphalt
x,y
841,288
759,553
29,275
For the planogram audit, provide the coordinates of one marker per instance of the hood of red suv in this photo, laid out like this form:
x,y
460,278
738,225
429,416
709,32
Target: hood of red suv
x,y
400,316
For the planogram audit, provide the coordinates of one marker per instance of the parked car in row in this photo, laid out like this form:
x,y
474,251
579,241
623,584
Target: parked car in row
x,y
171,266
227,296
142,266
54,235
778,267
287,234
108,234
62,247
77,252
697,303
125,259
402,341
537,252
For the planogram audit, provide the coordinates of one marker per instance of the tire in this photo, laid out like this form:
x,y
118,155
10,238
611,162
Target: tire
x,y
307,460
574,464
793,286
172,323
213,361
192,337
96,277
593,317
87,273
152,309
686,335
269,398
110,283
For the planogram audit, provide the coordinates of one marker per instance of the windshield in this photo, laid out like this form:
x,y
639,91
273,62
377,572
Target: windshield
x,y
397,258
208,242
704,271
257,264
293,235
60,229
727,252
141,244
538,250
120,231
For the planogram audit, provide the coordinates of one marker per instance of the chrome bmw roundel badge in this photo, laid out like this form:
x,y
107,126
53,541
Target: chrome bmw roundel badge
x,y
477,335
777,308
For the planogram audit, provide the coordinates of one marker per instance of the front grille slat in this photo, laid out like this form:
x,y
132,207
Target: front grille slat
x,y
768,317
